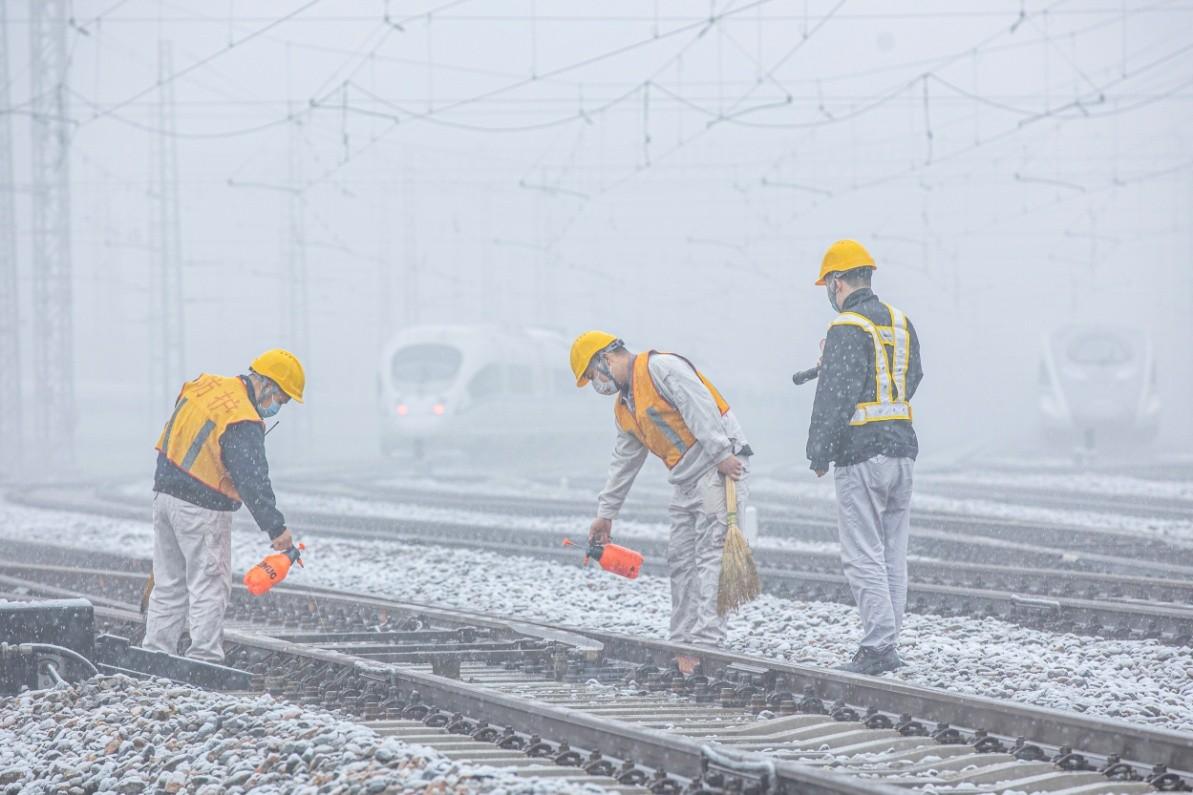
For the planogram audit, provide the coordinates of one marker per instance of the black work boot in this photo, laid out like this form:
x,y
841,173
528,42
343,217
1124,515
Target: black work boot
x,y
872,662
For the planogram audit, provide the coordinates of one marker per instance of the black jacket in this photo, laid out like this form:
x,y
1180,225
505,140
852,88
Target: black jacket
x,y
242,448
846,379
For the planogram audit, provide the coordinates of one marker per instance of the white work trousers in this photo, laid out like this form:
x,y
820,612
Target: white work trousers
x,y
698,525
192,563
873,523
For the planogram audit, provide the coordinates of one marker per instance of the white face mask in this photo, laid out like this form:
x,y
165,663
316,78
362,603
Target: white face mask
x,y
603,384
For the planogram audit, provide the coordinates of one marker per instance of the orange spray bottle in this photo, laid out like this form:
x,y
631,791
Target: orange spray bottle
x,y
272,570
613,558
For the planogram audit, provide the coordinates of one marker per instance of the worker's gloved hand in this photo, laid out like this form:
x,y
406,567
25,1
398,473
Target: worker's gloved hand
x,y
601,531
732,467
284,541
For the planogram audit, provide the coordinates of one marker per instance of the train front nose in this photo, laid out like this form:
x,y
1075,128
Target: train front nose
x,y
418,416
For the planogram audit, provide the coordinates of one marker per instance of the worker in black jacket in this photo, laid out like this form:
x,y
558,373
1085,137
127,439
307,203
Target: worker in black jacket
x,y
861,422
211,458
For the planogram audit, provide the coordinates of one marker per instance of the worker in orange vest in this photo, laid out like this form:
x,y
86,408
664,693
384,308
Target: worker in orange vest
x,y
664,405
210,460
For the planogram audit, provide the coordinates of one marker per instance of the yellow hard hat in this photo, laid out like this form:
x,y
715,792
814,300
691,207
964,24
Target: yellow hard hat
x,y
284,369
587,345
845,255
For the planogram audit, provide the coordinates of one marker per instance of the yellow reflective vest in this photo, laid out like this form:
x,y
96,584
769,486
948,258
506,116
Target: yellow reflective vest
x,y
655,421
890,375
191,438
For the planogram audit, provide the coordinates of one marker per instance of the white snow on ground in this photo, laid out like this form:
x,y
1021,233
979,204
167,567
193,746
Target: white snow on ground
x,y
988,509
1119,522
119,735
412,513
574,527
1076,484
492,487
1141,681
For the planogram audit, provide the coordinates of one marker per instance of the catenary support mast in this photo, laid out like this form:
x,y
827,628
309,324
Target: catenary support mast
x,y
168,341
10,322
53,430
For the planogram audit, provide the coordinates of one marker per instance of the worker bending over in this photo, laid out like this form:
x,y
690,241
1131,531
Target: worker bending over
x,y
211,458
861,422
665,406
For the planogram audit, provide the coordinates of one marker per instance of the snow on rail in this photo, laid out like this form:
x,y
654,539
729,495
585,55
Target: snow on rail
x,y
1141,681
1123,522
1097,484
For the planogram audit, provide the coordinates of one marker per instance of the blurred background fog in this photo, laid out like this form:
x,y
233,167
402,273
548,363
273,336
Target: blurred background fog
x,y
321,175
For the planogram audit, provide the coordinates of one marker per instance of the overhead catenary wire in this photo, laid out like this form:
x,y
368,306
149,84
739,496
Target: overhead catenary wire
x,y
657,97
702,27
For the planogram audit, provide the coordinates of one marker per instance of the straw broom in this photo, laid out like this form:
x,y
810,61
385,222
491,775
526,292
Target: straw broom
x,y
739,576
146,592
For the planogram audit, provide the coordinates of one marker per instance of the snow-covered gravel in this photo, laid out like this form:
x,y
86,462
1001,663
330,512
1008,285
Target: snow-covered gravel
x,y
120,735
800,492
1086,483
565,525
1141,681
1176,529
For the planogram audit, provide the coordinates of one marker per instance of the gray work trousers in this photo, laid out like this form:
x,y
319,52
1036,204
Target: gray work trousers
x,y
873,522
192,565
699,521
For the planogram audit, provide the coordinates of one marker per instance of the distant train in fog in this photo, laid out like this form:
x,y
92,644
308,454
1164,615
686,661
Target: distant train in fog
x,y
1097,385
471,386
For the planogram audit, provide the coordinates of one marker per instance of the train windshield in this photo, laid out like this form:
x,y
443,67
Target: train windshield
x,y
428,363
1099,350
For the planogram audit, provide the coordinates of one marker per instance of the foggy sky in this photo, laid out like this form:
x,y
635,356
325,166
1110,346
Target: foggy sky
x,y
671,171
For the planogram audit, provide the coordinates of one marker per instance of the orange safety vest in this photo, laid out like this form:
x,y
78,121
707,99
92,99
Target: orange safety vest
x,y
655,421
191,438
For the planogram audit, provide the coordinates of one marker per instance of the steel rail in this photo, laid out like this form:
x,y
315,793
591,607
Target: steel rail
x,y
657,749
1101,546
653,748
683,756
784,573
1134,505
1019,556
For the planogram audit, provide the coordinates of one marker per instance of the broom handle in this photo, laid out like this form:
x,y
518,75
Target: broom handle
x,y
730,502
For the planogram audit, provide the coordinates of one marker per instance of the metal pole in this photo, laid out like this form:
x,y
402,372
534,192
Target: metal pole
x,y
53,306
170,344
411,296
10,322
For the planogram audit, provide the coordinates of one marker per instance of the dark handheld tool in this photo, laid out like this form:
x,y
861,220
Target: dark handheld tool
x,y
804,376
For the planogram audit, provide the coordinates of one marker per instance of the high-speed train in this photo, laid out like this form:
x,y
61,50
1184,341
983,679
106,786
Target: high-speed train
x,y
1098,384
481,386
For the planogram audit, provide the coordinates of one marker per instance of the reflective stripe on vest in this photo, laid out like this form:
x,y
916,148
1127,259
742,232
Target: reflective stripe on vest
x,y
191,438
654,421
890,378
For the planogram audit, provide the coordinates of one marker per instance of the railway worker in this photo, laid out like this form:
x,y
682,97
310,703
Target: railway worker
x,y
861,422
211,458
664,405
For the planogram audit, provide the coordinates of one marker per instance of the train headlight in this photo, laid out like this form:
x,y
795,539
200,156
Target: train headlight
x,y
402,409
439,409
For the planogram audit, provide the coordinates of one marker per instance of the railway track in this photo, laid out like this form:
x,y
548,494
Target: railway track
x,y
595,707
1057,599
934,534
1113,504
